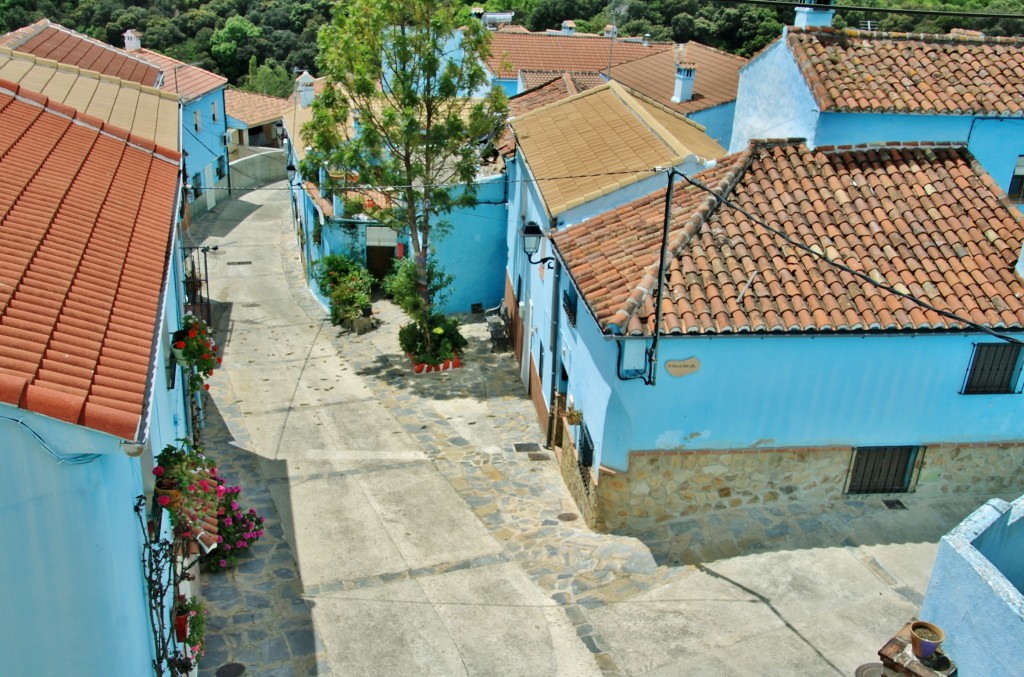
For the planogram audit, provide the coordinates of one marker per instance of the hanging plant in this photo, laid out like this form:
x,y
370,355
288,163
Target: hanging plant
x,y
196,351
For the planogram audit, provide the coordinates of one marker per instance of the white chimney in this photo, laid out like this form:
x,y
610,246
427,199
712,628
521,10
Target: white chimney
x,y
647,40
304,87
610,31
819,14
132,41
685,74
568,27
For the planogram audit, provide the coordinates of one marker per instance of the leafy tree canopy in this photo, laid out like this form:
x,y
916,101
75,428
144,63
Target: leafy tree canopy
x,y
397,112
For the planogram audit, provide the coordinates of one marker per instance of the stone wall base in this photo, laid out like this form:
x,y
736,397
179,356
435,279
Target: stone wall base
x,y
662,487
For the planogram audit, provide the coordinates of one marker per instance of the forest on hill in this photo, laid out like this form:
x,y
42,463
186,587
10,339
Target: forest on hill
x,y
260,44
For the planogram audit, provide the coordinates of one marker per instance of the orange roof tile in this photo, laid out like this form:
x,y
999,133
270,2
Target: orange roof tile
x,y
956,74
715,82
513,51
603,139
581,81
49,40
185,80
252,108
85,217
927,220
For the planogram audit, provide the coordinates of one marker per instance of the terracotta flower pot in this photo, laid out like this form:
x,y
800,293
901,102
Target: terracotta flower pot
x,y
164,488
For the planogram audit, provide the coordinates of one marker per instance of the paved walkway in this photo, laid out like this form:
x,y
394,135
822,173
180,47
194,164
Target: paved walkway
x,y
406,536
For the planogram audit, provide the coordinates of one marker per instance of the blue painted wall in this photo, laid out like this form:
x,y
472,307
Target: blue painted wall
x,y
781,391
73,586
773,101
717,122
974,593
474,249
205,147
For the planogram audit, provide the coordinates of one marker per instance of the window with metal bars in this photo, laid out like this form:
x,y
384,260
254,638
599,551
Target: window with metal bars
x,y
995,369
881,470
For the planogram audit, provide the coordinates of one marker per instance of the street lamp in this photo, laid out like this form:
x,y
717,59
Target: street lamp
x,y
290,171
532,235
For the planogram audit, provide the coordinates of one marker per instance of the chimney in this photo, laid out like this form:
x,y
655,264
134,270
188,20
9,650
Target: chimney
x,y
819,14
568,27
647,40
304,87
685,74
132,41
610,31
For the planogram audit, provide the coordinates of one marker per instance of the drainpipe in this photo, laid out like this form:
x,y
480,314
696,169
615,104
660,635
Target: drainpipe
x,y
553,342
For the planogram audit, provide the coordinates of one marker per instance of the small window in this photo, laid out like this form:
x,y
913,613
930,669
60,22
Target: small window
x,y
586,459
221,167
995,369
197,188
213,111
881,470
1016,190
196,120
569,302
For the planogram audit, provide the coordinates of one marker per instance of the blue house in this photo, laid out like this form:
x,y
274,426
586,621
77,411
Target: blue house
x,y
203,122
90,291
839,87
572,160
822,323
204,128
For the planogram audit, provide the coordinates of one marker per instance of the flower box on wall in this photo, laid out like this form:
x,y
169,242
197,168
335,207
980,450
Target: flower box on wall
x,y
423,368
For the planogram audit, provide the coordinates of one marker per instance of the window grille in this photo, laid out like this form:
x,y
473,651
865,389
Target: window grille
x,y
881,470
995,368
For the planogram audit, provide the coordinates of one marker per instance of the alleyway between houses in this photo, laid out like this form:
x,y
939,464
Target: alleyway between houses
x,y
406,536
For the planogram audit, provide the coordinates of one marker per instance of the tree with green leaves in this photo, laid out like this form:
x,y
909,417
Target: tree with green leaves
x,y
405,109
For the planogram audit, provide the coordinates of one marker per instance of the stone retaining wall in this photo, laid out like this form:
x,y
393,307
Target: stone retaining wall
x,y
586,498
661,486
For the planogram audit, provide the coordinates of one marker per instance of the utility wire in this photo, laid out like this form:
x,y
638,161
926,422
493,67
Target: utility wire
x,y
840,266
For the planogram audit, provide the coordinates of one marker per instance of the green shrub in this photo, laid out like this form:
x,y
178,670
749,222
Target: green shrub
x,y
401,285
346,283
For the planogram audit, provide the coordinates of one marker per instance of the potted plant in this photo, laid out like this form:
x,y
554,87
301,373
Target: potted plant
x,y
346,284
188,487
925,638
194,348
193,614
433,342
573,416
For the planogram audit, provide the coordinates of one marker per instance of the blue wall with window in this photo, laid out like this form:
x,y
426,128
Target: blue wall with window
x,y
783,391
204,147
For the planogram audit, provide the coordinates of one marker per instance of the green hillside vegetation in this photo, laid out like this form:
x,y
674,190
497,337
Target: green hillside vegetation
x,y
259,44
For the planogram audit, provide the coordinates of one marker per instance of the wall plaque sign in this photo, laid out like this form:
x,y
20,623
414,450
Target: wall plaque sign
x,y
682,367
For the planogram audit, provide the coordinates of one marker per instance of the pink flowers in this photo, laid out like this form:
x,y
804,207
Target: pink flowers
x,y
158,471
163,500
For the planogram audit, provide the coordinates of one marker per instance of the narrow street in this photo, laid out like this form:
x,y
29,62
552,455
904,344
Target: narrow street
x,y
407,536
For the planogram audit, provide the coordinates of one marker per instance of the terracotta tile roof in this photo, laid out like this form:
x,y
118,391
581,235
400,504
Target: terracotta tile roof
x,y
852,70
925,220
185,80
253,109
603,139
86,215
48,40
715,82
512,52
144,111
581,81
